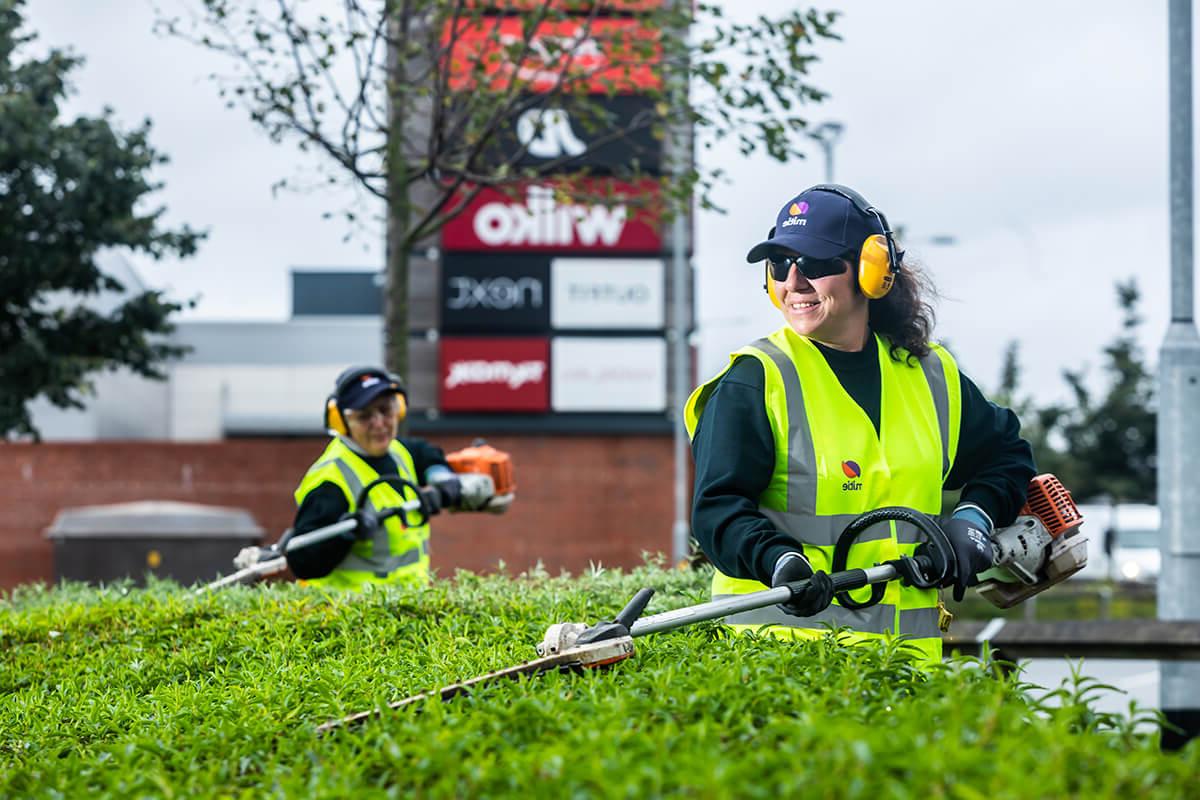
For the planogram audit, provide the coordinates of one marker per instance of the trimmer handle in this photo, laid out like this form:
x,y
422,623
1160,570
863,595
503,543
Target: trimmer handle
x,y
915,571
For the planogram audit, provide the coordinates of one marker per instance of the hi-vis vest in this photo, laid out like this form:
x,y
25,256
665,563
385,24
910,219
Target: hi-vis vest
x,y
831,466
395,554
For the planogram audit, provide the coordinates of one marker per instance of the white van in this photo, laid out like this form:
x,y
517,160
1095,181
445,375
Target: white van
x,y
1123,542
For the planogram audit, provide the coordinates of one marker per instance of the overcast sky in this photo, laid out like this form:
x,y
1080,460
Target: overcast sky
x,y
1034,133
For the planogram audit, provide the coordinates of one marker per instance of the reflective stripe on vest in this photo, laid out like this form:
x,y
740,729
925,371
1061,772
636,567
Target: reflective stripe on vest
x,y
831,465
394,554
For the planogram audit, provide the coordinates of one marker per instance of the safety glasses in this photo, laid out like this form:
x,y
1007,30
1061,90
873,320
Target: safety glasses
x,y
810,268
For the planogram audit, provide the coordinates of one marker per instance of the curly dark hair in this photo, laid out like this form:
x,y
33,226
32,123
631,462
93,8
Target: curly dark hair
x,y
905,316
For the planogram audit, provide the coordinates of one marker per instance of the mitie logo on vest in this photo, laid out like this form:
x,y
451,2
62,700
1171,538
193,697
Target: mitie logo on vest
x,y
541,220
853,472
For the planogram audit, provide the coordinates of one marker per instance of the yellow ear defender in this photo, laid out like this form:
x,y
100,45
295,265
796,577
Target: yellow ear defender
x,y
769,285
335,421
879,259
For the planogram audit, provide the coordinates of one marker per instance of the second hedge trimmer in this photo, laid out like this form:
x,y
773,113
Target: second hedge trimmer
x,y
491,487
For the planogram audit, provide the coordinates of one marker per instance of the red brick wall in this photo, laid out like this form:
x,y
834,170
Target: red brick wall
x,y
580,499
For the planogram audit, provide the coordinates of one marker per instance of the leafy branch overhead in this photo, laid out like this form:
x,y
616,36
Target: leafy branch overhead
x,y
461,93
69,191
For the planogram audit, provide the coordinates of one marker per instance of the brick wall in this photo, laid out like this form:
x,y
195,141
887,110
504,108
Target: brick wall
x,y
580,499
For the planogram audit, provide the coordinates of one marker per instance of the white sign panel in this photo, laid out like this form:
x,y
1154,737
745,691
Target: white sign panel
x,y
615,374
604,293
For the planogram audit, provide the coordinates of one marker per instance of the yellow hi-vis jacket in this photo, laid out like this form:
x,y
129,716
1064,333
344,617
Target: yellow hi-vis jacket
x,y
831,466
394,554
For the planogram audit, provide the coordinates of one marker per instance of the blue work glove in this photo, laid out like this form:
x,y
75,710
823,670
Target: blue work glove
x,y
814,598
972,549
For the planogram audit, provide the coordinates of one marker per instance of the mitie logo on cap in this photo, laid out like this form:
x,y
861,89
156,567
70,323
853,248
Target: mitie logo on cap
x,y
491,374
795,213
852,471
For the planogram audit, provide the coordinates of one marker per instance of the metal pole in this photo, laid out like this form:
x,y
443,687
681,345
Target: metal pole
x,y
1178,400
681,292
827,134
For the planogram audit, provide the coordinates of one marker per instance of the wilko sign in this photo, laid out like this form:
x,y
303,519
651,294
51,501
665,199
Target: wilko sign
x,y
546,220
495,374
611,374
603,55
495,294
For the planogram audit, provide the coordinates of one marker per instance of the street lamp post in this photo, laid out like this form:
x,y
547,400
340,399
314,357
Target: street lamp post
x,y
827,134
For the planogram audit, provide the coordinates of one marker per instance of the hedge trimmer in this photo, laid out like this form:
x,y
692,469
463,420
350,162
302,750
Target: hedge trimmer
x,y
255,563
1041,548
487,485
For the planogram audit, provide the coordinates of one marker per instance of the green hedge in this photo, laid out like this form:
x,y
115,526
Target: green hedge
x,y
126,692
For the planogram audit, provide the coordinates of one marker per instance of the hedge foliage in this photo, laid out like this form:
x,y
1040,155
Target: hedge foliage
x,y
125,692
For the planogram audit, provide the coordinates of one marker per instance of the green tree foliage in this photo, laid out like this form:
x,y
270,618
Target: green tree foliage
x,y
410,100
1111,438
1098,445
1038,425
69,189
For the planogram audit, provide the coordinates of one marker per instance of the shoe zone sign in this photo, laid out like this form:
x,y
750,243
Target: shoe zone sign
x,y
509,374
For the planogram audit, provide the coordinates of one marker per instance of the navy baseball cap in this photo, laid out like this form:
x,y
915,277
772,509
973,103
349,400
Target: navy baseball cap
x,y
358,390
817,223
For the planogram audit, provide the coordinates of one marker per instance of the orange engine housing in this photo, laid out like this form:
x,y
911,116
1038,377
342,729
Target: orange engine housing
x,y
1051,502
485,460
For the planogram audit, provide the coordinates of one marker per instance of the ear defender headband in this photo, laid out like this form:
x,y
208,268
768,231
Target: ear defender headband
x,y
879,258
335,420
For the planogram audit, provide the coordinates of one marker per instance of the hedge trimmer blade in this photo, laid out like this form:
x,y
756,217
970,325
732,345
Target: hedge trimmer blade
x,y
591,656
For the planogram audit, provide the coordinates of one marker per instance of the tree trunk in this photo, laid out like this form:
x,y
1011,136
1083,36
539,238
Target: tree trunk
x,y
399,208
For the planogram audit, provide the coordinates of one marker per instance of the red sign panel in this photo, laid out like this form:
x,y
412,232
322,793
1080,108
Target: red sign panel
x,y
607,55
495,374
541,218
571,6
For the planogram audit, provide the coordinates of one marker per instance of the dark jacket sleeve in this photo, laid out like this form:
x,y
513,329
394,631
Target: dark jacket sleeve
x,y
734,451
424,455
994,464
324,505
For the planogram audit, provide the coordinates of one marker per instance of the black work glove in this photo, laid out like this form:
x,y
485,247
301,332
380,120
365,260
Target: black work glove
x,y
431,500
814,598
449,491
972,555
366,525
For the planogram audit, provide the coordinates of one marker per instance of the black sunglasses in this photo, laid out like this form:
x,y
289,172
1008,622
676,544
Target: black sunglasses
x,y
810,268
